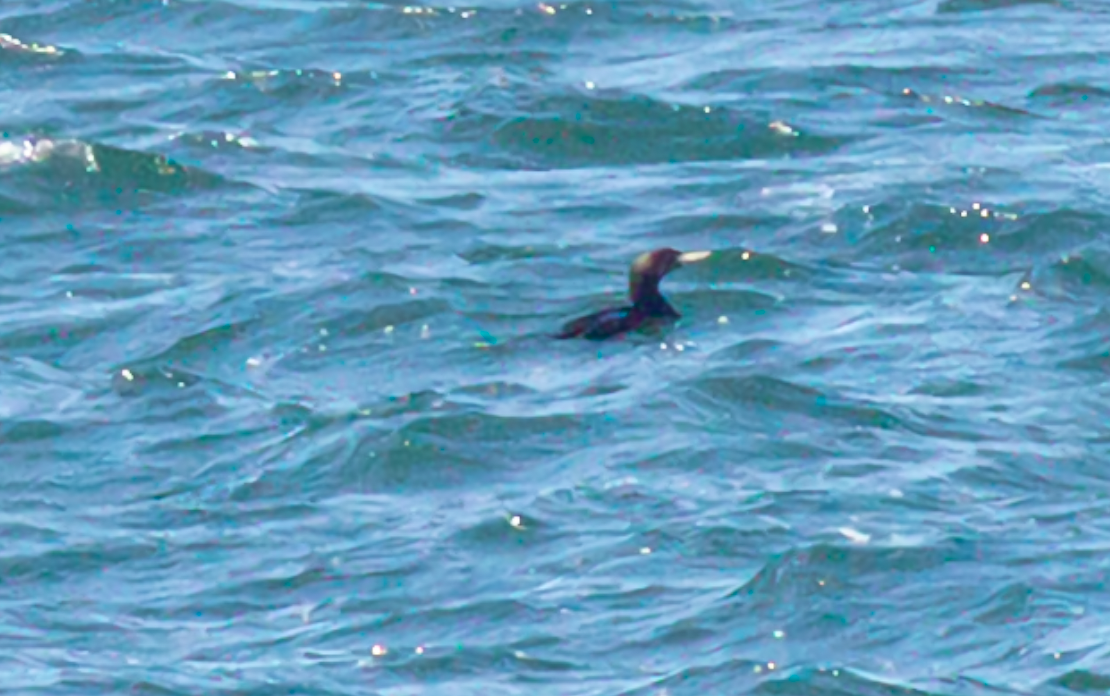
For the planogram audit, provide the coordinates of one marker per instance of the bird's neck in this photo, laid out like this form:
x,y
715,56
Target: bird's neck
x,y
647,299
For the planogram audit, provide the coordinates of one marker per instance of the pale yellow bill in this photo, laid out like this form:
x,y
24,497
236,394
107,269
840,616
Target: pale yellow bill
x,y
694,256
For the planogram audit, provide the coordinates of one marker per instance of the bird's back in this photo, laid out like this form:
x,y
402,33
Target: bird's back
x,y
603,324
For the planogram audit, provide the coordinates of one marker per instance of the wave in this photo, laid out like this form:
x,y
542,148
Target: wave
x,y
43,173
963,6
976,239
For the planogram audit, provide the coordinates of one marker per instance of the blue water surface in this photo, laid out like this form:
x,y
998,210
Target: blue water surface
x,y
280,412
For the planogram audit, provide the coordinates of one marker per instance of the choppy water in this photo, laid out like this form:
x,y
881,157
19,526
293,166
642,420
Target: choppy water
x,y
279,413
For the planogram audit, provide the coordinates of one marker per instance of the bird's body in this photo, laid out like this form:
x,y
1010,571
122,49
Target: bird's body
x,y
648,305
609,322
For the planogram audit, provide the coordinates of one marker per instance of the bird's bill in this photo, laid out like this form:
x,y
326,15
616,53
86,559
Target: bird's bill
x,y
693,256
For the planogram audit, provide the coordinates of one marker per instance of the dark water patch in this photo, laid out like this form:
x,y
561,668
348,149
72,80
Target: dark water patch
x,y
1096,361
198,346
487,253
830,569
729,544
88,557
769,394
1085,346
216,440
1005,471
493,391
121,20
296,449
145,172
381,323
698,225
404,407
62,115
31,431
953,423
75,174
501,537
722,673
1081,681
371,221
101,283
880,91
747,265
962,6
900,122
955,105
12,207
472,430
289,578
1077,275
1070,94
446,664
328,206
619,131
1010,605
976,239
463,201
830,681
165,395
571,213
34,388
881,79
627,129
293,87
32,535
540,33
1038,464
206,142
717,309
693,17
748,350
507,535
284,456
61,16
952,389
413,458
96,684
451,435
51,342
861,470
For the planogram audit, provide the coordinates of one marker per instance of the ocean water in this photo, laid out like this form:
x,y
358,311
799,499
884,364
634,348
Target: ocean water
x,y
280,412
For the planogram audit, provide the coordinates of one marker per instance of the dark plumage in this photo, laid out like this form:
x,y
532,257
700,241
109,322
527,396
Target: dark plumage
x,y
648,305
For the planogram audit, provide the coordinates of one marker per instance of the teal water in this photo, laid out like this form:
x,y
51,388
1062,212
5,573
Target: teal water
x,y
279,412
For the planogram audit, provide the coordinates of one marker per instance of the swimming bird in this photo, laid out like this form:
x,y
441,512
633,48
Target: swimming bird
x,y
648,305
